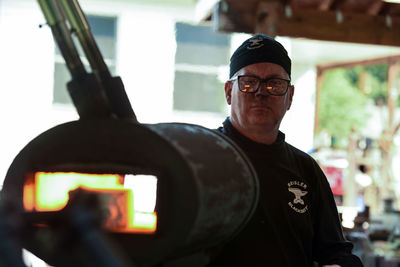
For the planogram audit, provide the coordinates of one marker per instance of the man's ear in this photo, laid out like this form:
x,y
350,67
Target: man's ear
x,y
290,93
228,92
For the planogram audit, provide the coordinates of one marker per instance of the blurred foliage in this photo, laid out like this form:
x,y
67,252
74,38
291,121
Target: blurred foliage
x,y
344,97
342,105
375,82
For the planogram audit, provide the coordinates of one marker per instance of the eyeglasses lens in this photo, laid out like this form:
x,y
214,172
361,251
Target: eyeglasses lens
x,y
249,84
277,86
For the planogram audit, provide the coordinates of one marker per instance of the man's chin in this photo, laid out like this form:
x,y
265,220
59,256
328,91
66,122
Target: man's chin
x,y
259,117
262,122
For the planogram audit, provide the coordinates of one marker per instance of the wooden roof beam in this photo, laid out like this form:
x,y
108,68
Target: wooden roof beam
x,y
374,8
327,25
272,18
364,62
325,5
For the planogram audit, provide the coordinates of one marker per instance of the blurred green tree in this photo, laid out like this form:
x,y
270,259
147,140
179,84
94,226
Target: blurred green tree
x,y
375,84
342,105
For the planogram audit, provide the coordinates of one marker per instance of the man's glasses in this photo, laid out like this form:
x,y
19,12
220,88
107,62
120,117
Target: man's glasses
x,y
251,84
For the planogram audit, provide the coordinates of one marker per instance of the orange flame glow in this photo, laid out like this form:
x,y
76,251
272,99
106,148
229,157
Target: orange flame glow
x,y
126,213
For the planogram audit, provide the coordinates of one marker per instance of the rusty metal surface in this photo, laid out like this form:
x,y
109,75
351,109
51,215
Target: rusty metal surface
x,y
226,181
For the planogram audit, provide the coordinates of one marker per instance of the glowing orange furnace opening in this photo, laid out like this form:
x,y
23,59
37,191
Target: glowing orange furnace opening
x,y
131,198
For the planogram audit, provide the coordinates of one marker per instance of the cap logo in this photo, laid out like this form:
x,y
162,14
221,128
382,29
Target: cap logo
x,y
255,43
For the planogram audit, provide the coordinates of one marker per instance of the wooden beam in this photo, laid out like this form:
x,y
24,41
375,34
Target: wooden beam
x,y
362,81
375,8
320,79
338,4
364,62
230,19
271,17
325,5
332,26
393,74
267,18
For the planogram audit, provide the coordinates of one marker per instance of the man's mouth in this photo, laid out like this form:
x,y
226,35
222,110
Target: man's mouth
x,y
260,107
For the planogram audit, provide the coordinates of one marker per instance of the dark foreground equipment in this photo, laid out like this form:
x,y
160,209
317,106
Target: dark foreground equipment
x,y
71,195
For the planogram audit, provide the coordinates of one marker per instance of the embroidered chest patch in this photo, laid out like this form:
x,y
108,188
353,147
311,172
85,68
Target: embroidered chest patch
x,y
298,190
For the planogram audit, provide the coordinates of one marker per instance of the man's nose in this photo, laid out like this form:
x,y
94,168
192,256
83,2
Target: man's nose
x,y
262,90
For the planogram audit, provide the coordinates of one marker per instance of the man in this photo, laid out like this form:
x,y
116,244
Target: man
x,y
296,222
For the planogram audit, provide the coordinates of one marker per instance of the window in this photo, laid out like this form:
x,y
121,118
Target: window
x,y
201,54
104,32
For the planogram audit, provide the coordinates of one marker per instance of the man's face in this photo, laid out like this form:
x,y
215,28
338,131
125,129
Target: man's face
x,y
258,111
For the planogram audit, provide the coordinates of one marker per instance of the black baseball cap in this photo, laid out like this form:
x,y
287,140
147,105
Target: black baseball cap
x,y
257,49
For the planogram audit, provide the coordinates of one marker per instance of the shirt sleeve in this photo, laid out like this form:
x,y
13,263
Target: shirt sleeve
x,y
329,245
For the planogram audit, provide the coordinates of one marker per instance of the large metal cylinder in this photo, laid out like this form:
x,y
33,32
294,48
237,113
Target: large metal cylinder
x,y
207,188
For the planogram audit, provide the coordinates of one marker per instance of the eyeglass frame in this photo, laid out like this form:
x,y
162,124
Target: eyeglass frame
x,y
260,82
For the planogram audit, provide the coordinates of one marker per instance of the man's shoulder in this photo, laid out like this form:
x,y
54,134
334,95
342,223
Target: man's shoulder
x,y
301,156
297,152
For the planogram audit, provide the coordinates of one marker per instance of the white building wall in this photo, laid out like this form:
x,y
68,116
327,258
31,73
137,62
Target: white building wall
x,y
298,124
26,64
145,62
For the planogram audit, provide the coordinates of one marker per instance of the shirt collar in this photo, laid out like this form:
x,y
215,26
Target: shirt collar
x,y
248,144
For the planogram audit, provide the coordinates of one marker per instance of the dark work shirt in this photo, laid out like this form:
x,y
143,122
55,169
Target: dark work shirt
x,y
296,222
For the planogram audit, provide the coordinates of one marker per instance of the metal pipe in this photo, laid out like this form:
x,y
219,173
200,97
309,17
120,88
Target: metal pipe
x,y
110,92
55,19
113,86
81,28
